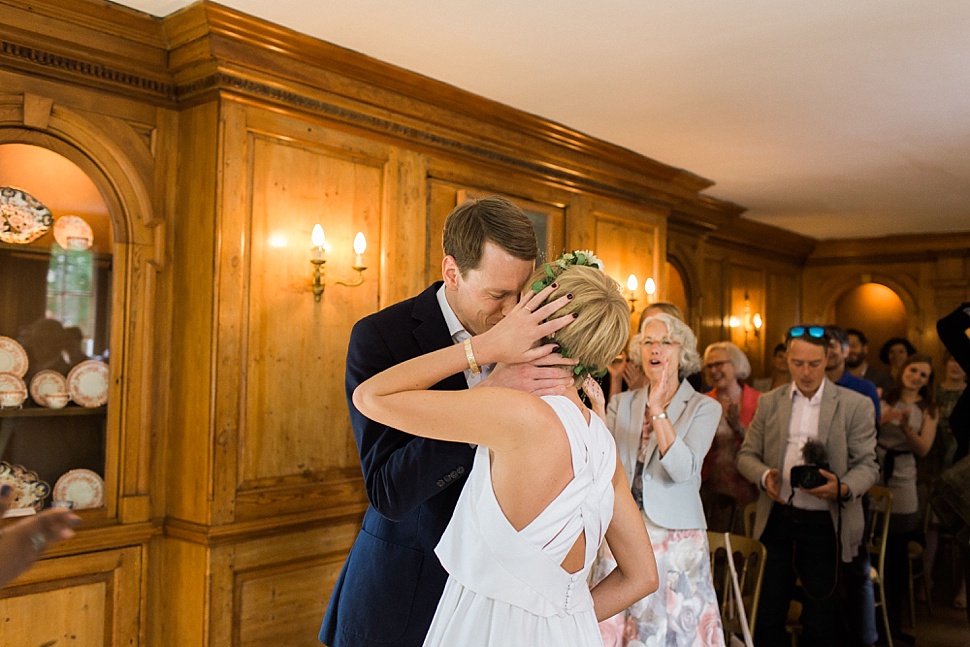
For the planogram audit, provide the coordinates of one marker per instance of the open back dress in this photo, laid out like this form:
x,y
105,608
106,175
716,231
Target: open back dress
x,y
507,587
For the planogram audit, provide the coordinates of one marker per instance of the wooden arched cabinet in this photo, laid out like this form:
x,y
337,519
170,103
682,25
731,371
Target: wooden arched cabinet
x,y
84,588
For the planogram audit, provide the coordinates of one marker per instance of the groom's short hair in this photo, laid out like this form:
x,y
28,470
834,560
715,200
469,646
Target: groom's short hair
x,y
492,219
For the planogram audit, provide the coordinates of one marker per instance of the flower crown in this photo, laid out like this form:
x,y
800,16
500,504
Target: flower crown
x,y
552,270
556,267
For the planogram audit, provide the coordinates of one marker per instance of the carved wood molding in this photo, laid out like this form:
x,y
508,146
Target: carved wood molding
x,y
906,248
262,527
58,64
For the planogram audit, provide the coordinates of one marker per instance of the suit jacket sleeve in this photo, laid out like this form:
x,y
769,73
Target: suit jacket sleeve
x,y
401,471
863,468
952,330
751,457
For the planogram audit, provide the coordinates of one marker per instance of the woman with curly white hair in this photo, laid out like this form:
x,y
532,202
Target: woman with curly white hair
x,y
663,432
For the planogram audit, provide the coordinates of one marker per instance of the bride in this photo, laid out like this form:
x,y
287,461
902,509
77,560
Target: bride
x,y
544,489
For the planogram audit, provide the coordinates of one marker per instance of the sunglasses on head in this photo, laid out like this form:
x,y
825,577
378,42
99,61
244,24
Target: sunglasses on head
x,y
812,331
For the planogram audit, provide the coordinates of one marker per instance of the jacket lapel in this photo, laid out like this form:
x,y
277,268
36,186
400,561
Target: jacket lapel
x,y
784,418
826,412
431,332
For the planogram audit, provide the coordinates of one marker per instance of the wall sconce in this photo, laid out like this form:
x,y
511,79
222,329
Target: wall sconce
x,y
631,286
319,250
651,289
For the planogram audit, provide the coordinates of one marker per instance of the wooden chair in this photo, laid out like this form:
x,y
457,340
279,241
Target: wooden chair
x,y
749,558
881,507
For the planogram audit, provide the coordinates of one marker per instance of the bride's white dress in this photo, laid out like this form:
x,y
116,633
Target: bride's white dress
x,y
506,588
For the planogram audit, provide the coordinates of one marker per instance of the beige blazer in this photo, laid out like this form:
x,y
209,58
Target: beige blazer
x,y
671,483
846,426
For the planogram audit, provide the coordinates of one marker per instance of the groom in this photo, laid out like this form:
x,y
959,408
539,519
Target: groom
x,y
389,588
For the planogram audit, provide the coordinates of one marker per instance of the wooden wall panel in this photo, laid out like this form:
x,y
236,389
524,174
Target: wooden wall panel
x,y
929,273
630,242
191,434
295,410
86,600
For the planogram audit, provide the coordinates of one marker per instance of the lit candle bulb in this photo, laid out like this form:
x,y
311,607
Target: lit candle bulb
x,y
650,286
360,244
631,283
757,320
318,242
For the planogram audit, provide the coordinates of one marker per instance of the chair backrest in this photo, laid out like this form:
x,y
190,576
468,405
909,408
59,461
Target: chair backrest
x,y
749,559
880,510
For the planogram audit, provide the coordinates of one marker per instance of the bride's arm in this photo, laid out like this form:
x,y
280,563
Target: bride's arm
x,y
398,397
635,576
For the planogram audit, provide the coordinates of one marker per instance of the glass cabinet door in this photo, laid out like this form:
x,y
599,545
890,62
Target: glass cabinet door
x,y
55,312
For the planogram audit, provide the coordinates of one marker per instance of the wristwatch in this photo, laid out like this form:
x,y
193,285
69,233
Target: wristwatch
x,y
660,416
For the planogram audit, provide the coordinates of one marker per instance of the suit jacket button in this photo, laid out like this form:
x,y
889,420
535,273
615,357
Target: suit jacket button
x,y
647,478
447,478
461,470
441,483
454,474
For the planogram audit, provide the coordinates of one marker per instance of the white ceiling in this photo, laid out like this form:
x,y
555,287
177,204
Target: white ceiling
x,y
831,118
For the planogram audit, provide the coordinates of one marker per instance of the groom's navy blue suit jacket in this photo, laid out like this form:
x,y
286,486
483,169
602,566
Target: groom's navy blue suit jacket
x,y
390,585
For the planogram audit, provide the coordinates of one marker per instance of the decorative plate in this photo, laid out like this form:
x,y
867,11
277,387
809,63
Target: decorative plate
x,y
23,219
84,487
88,383
29,491
73,232
44,382
11,383
13,357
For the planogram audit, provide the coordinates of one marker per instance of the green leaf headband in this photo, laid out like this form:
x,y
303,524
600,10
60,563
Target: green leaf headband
x,y
554,269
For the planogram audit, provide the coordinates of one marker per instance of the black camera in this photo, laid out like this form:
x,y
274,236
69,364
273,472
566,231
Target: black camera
x,y
806,477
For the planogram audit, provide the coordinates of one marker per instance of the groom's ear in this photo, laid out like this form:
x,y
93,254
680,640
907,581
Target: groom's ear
x,y
450,272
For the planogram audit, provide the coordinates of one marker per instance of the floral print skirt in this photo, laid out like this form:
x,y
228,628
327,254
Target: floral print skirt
x,y
683,612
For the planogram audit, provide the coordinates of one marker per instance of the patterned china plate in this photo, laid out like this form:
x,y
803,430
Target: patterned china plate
x,y
44,382
29,491
23,219
73,232
13,357
84,487
12,382
88,383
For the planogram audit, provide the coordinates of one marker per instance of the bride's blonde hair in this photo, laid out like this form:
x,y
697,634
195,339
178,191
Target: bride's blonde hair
x,y
601,330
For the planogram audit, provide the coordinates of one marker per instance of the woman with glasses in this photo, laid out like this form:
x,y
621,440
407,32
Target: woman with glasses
x,y
662,432
726,368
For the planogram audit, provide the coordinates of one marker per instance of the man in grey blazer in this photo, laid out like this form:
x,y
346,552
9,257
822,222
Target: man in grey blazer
x,y
808,532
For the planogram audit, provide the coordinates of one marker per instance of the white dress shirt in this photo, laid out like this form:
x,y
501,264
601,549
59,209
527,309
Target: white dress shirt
x,y
459,335
802,428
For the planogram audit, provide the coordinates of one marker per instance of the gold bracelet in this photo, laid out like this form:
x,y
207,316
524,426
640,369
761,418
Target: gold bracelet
x,y
472,364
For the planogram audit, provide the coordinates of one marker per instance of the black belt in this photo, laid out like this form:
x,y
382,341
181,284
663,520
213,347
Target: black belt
x,y
801,515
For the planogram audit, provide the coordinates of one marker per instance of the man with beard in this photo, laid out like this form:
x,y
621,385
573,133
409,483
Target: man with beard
x,y
858,366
